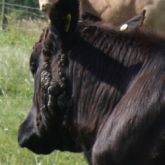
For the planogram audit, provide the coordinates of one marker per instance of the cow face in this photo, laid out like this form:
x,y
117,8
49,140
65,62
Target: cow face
x,y
45,5
34,132
41,131
45,127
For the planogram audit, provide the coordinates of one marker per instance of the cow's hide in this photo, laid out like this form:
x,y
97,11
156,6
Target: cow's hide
x,y
97,90
118,11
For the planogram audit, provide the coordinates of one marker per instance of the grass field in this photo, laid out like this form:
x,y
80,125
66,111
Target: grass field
x,y
16,92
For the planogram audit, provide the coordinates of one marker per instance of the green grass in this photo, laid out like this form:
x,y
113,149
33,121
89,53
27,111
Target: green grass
x,y
16,90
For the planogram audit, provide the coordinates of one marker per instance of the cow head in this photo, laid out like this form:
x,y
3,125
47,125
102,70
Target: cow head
x,y
45,128
45,5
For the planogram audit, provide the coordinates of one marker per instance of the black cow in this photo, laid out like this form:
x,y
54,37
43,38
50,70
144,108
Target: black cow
x,y
99,91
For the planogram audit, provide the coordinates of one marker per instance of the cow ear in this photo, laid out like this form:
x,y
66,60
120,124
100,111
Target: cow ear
x,y
64,15
134,23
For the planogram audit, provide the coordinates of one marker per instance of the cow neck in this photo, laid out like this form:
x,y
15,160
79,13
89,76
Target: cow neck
x,y
128,48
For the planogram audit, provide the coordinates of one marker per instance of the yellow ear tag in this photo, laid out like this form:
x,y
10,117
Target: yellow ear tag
x,y
68,22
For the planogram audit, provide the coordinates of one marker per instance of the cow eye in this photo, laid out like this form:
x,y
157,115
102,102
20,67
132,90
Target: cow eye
x,y
33,68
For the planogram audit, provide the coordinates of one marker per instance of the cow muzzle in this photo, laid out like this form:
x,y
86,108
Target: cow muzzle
x,y
29,137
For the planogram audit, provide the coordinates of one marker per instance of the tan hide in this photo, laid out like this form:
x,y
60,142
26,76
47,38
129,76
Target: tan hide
x,y
118,11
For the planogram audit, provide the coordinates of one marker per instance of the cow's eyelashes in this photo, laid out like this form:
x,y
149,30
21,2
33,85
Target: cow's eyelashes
x,y
33,67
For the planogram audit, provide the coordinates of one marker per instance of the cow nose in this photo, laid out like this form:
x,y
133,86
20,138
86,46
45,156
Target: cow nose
x,y
29,138
26,136
27,132
22,140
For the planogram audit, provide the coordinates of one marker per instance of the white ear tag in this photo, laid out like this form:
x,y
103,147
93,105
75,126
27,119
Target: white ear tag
x,y
123,27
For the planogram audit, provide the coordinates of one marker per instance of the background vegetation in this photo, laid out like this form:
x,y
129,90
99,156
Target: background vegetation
x,y
33,3
16,90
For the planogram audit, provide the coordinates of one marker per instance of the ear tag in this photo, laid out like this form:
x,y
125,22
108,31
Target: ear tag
x,y
68,22
124,27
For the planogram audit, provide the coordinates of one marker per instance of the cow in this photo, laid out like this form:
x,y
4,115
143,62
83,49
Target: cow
x,y
118,11
99,91
132,23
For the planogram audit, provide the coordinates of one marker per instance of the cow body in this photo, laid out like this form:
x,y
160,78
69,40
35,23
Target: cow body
x,y
117,11
99,91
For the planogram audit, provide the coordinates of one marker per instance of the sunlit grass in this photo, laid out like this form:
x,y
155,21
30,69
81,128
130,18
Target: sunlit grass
x,y
13,111
15,77
16,90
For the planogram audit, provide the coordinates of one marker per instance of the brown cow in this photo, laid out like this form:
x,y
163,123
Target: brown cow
x,y
118,11
129,24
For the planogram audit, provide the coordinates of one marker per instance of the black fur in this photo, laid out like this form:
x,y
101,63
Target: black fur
x,y
115,86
